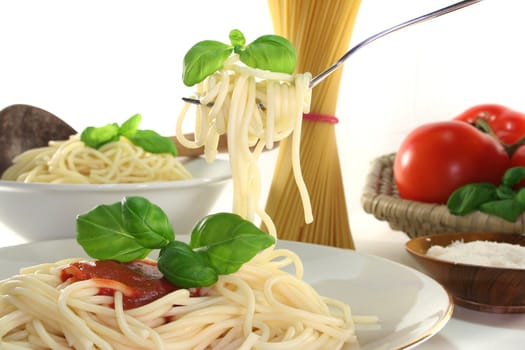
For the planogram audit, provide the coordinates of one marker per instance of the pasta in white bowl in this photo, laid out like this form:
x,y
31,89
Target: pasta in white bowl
x,y
72,162
41,211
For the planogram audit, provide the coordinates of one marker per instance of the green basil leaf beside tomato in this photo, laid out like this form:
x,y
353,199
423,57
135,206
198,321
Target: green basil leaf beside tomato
x,y
513,176
153,142
95,137
183,267
147,222
518,160
469,198
508,209
270,52
203,59
502,201
227,241
102,234
520,195
504,192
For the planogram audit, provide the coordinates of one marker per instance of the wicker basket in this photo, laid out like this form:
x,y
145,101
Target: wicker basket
x,y
381,198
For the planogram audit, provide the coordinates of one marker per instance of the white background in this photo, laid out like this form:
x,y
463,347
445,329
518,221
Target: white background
x,y
100,61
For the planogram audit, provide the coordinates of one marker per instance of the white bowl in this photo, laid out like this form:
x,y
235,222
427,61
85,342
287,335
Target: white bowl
x,y
38,211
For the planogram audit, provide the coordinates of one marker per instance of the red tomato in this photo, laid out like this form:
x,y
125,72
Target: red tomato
x,y
518,157
437,158
508,125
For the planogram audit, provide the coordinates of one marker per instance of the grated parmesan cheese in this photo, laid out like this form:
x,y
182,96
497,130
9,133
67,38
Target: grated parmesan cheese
x,y
484,253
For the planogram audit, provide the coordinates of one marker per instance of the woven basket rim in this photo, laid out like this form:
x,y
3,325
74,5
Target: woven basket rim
x,y
381,199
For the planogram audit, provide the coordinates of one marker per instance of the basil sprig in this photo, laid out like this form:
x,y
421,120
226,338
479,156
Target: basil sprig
x,y
268,52
502,201
148,140
128,230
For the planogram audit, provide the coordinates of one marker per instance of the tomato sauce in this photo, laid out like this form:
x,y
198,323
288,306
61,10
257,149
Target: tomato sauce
x,y
139,281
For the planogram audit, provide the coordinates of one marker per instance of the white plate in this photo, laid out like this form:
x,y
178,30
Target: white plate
x,y
411,306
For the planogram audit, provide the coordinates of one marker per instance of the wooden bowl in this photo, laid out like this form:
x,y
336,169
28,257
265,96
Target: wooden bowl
x,y
488,289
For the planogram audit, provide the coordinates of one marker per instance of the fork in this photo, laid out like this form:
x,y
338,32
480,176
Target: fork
x,y
323,75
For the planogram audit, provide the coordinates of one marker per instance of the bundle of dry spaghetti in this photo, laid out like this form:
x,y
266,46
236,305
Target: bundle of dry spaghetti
x,y
320,31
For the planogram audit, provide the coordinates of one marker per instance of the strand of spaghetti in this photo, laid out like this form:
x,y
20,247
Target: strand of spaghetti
x,y
194,304
234,143
250,341
252,189
268,222
178,128
74,321
13,319
55,344
204,335
270,112
201,123
21,297
161,307
269,256
296,151
111,170
222,92
243,158
256,72
144,332
106,326
325,323
304,337
243,295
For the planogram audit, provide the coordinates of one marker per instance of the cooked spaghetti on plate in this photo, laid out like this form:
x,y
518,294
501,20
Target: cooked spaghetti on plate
x,y
258,307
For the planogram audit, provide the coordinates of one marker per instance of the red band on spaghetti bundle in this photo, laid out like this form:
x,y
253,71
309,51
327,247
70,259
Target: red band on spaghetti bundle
x,y
324,118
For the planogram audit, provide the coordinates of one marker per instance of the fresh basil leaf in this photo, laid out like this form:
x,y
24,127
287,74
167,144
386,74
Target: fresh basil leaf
x,y
183,267
203,59
153,142
227,241
237,40
130,126
513,176
507,209
505,192
270,52
95,137
102,235
147,222
468,198
520,195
